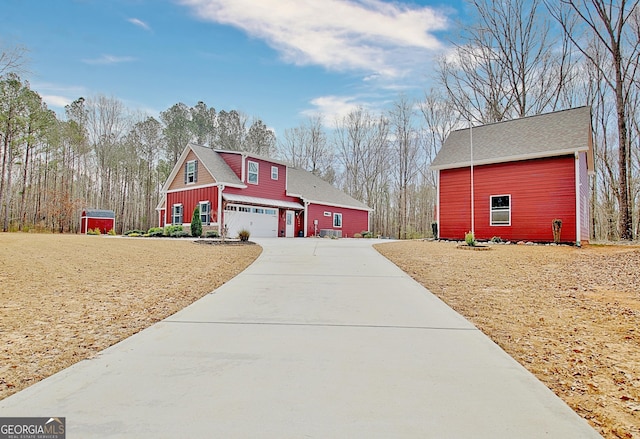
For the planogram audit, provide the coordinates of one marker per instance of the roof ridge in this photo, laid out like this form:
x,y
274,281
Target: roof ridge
x,y
531,116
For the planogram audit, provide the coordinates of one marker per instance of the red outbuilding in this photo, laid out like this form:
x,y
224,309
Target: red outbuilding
x,y
91,219
513,179
237,190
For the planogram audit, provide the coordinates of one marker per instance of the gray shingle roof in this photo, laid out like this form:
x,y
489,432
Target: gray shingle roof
x,y
312,188
99,213
216,166
300,183
545,135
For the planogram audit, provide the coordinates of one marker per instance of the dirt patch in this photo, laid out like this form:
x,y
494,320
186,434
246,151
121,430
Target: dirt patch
x,y
569,315
64,298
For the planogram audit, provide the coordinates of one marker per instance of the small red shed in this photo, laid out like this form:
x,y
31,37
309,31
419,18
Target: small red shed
x,y
512,179
105,220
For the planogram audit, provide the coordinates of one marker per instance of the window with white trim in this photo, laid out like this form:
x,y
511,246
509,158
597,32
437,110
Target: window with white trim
x,y
176,214
205,212
252,174
274,173
500,210
337,220
191,172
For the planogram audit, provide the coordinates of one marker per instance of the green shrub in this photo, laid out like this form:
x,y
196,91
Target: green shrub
x,y
211,234
367,234
134,234
357,235
196,223
95,231
470,239
171,230
156,231
136,231
244,235
111,232
179,234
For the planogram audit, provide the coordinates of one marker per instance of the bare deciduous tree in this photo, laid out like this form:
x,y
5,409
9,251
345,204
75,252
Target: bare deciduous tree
x,y
609,24
510,63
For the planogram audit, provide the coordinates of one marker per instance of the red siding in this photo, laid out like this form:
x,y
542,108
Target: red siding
x,y
234,161
540,190
190,199
104,224
353,221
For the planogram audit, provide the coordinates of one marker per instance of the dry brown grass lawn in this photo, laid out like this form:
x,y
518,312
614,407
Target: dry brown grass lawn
x,y
64,298
569,315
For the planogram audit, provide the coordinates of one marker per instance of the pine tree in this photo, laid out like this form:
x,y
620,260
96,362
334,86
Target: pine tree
x,y
196,223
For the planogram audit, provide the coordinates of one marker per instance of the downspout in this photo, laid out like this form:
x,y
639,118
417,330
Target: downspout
x,y
306,218
242,168
220,219
438,202
578,211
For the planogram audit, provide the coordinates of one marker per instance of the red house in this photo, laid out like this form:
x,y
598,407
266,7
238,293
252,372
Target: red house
x,y
91,219
237,190
522,173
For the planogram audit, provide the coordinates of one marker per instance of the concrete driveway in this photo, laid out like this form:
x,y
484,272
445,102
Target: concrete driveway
x,y
317,339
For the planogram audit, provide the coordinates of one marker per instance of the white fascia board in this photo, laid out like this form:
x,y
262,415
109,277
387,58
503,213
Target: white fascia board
x,y
515,158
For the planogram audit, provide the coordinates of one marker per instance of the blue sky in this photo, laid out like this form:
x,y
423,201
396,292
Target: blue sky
x,y
278,60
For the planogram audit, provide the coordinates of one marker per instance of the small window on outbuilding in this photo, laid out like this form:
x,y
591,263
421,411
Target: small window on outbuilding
x,y
337,220
500,210
274,173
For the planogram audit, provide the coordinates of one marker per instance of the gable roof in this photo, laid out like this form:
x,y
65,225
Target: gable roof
x,y
311,188
545,135
98,213
300,183
212,162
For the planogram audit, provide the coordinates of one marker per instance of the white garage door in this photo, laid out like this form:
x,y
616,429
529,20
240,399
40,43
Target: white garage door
x,y
261,222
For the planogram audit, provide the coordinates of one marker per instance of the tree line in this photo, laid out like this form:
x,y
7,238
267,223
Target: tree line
x,y
510,59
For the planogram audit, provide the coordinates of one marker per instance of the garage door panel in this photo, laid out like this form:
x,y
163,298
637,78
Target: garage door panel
x,y
260,225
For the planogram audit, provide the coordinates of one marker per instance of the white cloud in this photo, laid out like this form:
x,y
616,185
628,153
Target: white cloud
x,y
109,59
56,101
333,108
372,36
139,23
56,95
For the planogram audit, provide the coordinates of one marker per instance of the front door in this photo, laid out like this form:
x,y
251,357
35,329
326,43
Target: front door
x,y
289,230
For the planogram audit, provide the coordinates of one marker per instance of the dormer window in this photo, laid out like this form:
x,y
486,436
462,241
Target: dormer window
x,y
191,172
252,175
274,173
